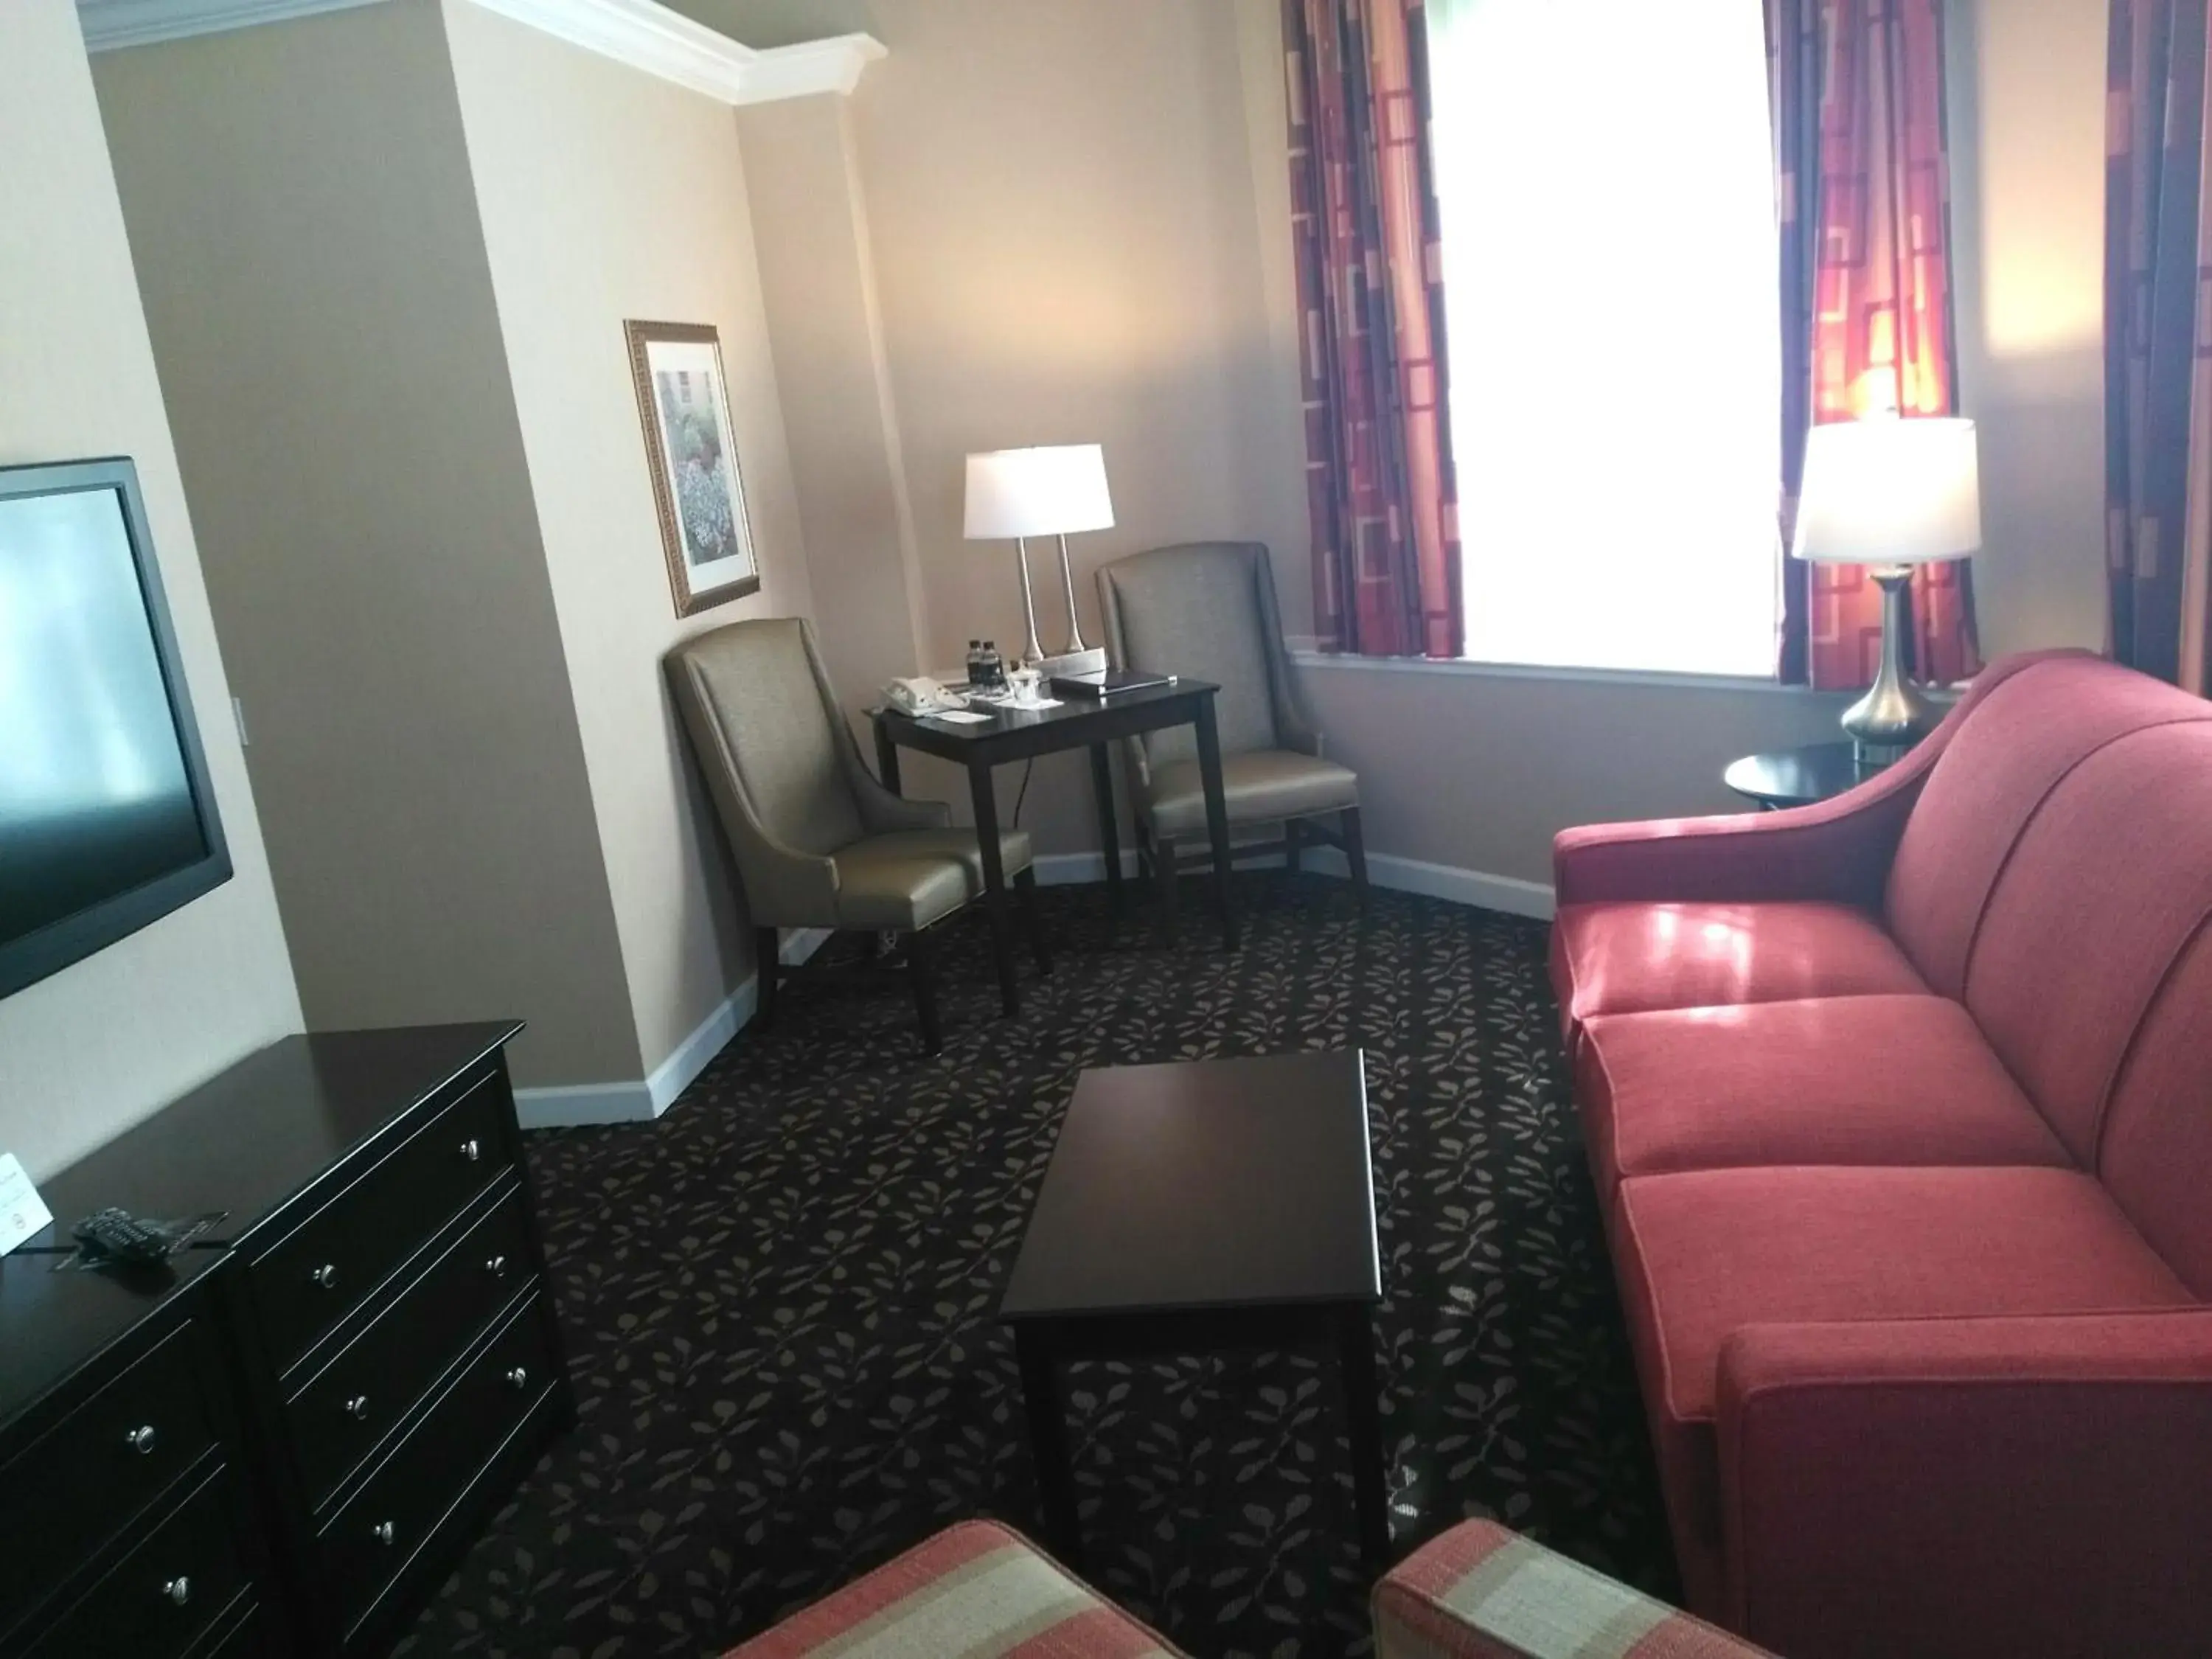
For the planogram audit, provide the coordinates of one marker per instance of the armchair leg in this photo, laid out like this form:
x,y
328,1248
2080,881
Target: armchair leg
x,y
1355,852
1291,846
1032,922
767,945
920,950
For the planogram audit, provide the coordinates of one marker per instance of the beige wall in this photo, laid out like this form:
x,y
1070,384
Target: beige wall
x,y
606,195
89,1052
2027,151
300,198
1478,770
825,314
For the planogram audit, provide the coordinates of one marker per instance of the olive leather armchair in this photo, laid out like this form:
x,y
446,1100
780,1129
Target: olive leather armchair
x,y
1207,610
817,840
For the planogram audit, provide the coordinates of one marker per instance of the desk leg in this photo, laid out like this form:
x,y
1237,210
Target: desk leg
x,y
994,883
1216,817
887,761
1355,1358
1109,830
1055,1477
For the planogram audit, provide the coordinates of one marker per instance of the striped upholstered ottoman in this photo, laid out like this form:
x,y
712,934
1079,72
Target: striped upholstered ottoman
x,y
1480,1592
976,1589
979,1591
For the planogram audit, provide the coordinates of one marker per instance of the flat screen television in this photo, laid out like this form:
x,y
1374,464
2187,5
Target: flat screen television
x,y
107,819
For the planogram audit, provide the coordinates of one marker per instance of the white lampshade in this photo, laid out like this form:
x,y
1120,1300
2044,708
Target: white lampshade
x,y
1053,491
1890,491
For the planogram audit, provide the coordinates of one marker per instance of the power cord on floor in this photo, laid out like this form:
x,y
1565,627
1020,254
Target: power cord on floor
x,y
1028,766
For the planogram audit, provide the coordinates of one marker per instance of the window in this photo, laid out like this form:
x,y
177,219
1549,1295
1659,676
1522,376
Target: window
x,y
1605,176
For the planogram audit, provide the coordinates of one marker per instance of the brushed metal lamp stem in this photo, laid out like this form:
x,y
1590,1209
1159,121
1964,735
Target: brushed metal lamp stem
x,y
1078,657
1895,714
1068,585
1035,654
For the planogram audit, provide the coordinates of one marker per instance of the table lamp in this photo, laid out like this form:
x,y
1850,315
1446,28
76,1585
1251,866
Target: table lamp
x,y
1890,493
1056,491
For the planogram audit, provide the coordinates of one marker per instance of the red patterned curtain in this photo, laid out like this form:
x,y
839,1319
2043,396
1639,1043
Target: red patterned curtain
x,y
1364,225
2158,376
1863,196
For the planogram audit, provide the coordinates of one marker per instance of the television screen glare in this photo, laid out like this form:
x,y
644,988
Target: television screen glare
x,y
102,799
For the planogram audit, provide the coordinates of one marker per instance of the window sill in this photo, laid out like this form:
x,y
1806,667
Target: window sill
x,y
1304,653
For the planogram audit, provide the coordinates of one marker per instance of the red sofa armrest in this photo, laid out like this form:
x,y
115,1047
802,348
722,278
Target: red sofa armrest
x,y
1481,1592
1970,1485
1837,850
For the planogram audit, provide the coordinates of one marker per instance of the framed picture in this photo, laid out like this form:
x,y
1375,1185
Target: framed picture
x,y
704,532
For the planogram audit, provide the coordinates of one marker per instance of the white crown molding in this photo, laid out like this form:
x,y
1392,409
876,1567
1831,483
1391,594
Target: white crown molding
x,y
808,67
642,33
111,24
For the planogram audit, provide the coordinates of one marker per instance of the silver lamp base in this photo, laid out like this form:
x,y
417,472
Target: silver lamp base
x,y
1895,714
1092,661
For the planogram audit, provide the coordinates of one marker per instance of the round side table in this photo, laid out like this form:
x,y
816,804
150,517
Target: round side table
x,y
1798,777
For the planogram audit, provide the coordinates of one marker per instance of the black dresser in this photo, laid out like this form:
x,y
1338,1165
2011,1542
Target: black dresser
x,y
127,1524
382,1309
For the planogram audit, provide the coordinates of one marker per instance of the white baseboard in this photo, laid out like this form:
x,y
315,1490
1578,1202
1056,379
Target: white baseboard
x,y
641,1102
1515,897
578,1104
1073,869
1510,894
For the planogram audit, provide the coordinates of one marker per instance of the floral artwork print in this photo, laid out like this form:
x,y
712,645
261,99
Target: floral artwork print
x,y
702,478
697,480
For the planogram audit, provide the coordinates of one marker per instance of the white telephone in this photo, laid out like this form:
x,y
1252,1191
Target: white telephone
x,y
920,696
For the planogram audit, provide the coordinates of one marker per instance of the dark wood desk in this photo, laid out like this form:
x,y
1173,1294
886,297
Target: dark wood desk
x,y
1799,777
1201,1207
1020,734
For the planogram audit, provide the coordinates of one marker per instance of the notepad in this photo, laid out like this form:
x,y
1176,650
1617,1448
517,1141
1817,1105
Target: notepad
x,y
22,1211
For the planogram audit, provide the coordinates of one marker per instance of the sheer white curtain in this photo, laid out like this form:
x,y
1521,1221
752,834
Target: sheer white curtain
x,y
1606,177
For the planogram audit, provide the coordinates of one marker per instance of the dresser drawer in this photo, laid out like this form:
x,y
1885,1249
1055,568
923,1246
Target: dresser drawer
x,y
317,1276
163,1596
367,1543
337,1419
92,1474
248,1639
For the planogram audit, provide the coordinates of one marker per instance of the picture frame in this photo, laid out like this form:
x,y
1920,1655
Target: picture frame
x,y
698,486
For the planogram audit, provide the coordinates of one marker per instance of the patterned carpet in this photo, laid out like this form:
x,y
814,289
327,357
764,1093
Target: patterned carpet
x,y
780,1301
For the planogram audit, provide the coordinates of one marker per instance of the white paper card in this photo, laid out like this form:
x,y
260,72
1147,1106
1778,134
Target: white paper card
x,y
22,1212
957,717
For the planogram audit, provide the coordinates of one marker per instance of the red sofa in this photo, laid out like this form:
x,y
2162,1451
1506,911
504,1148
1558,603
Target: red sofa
x,y
1900,1110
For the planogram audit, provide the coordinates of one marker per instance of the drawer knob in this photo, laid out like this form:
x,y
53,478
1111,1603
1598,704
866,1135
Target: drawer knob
x,y
178,1591
325,1277
357,1409
381,1532
470,1150
141,1439
518,1378
496,1266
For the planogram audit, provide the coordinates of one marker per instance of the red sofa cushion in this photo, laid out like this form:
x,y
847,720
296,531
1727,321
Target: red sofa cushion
x,y
1629,957
1849,1080
2025,736
1701,1255
2107,884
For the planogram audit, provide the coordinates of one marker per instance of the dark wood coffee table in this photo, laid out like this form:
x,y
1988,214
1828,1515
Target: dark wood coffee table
x,y
1190,1208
